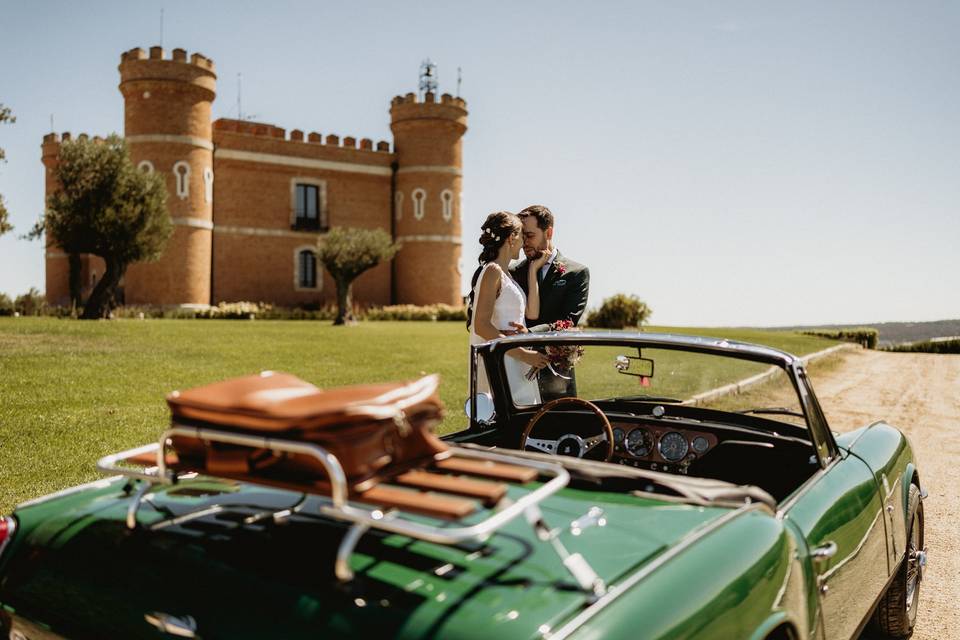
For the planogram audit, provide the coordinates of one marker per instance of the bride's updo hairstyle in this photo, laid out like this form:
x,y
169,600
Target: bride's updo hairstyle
x,y
494,232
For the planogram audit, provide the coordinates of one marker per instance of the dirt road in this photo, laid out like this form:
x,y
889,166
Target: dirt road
x,y
919,394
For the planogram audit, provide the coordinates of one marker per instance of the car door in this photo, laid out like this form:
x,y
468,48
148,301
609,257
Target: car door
x,y
840,516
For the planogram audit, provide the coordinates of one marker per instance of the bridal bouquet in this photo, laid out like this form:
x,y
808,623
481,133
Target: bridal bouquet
x,y
563,357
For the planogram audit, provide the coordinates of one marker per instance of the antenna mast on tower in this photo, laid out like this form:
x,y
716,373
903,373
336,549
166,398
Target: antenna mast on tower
x,y
428,77
459,80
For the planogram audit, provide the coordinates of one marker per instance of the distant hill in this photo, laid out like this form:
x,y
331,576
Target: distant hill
x,y
897,332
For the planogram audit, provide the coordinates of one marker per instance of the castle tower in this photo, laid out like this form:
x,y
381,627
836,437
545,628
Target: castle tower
x,y
57,266
167,104
428,144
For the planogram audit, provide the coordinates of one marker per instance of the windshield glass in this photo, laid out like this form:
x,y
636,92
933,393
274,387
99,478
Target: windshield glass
x,y
602,372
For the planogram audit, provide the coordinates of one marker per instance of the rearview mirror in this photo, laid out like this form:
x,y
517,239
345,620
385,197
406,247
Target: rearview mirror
x,y
485,410
643,367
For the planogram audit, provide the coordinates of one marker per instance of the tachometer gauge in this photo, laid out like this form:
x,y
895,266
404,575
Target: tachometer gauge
x,y
700,445
673,446
639,443
618,435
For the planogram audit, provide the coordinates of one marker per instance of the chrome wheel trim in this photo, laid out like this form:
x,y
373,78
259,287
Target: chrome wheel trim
x,y
916,559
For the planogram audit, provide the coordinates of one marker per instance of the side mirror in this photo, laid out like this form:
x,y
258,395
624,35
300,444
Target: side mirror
x,y
485,410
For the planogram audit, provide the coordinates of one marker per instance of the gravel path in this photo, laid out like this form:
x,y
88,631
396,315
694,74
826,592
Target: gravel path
x,y
919,394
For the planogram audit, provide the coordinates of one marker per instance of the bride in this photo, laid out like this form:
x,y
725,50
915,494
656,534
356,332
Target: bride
x,y
498,306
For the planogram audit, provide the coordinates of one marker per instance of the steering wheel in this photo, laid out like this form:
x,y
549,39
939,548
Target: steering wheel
x,y
569,444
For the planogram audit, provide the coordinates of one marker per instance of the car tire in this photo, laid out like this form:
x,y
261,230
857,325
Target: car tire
x,y
897,610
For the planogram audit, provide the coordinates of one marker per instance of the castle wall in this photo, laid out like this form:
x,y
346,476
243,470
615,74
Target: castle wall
x,y
255,238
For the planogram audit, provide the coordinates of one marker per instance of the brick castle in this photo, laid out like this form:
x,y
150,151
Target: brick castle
x,y
249,201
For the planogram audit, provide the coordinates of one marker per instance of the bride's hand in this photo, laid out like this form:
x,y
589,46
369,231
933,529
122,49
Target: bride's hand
x,y
533,358
540,260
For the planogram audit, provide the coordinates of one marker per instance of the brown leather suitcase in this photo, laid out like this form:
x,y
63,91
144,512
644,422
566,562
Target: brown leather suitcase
x,y
373,430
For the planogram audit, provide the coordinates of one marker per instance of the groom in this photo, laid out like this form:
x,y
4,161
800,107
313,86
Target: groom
x,y
564,286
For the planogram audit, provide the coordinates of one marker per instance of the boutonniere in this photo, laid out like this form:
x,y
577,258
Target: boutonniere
x,y
560,268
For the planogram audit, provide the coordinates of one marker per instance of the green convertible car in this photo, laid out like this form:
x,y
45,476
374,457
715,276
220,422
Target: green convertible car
x,y
639,486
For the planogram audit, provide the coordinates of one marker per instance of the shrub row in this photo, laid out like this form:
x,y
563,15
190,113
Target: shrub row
x,y
864,336
30,303
949,345
437,312
246,310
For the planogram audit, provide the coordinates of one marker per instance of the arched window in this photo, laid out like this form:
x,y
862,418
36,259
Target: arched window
x,y
306,268
446,199
419,200
398,204
208,184
181,171
146,166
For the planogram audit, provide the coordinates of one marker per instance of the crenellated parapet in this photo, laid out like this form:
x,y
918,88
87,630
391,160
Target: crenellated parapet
x,y
197,71
246,127
53,141
410,107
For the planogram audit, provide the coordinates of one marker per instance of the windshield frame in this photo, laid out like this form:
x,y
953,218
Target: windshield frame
x,y
493,352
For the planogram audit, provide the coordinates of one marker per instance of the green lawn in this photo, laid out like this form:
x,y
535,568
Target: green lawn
x,y
73,391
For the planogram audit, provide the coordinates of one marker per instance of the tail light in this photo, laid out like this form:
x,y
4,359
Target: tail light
x,y
7,526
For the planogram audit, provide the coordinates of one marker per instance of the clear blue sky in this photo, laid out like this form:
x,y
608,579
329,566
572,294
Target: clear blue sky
x,y
732,163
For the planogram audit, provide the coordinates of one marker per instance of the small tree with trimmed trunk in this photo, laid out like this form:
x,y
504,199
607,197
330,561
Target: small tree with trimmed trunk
x,y
348,252
107,207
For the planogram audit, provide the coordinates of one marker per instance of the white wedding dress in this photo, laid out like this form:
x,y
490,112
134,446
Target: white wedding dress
x,y
510,306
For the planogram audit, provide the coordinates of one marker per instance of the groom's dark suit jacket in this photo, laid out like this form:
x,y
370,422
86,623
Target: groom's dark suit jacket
x,y
562,296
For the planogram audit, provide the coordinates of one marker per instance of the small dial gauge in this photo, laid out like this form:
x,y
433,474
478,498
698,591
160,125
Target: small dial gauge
x,y
639,443
700,445
673,446
618,436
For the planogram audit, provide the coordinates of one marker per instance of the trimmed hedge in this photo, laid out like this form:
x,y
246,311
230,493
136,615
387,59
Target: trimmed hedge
x,y
435,312
263,311
949,345
864,336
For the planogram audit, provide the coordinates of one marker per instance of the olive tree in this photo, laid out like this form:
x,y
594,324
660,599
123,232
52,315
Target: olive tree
x,y
348,252
106,207
5,226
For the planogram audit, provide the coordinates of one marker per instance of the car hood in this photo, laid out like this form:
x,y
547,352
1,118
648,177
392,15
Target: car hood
x,y
234,572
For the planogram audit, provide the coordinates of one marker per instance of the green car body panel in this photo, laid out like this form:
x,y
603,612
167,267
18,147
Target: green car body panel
x,y
673,569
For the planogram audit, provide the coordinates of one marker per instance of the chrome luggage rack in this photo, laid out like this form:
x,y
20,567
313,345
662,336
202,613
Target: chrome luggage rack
x,y
363,517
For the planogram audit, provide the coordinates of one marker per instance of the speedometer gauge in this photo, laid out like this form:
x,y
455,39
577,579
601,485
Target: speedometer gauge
x,y
673,446
639,443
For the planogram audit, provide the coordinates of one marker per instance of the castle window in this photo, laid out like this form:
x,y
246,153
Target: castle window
x,y
181,172
208,184
419,200
146,166
306,269
446,198
309,205
398,204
